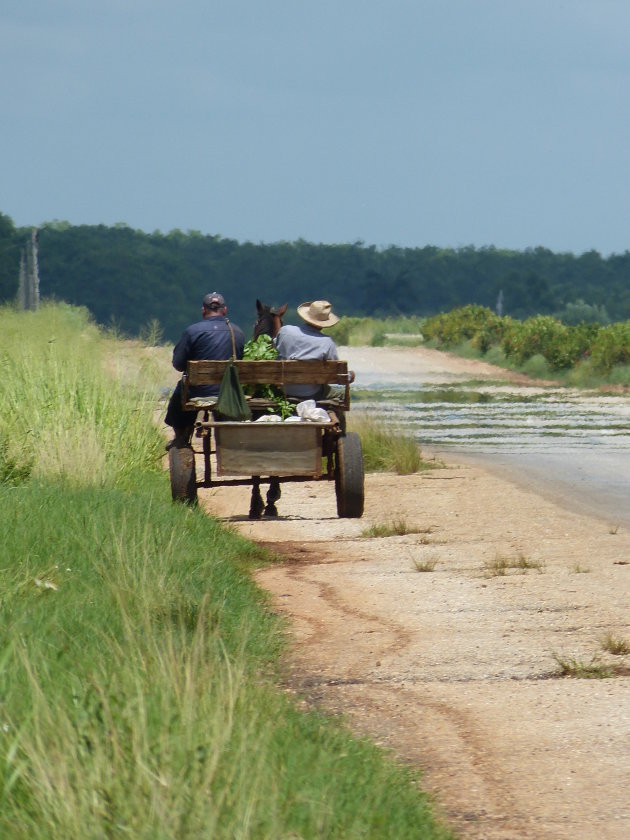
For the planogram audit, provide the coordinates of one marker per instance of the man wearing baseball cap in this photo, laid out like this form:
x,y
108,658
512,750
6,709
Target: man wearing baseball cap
x,y
307,341
210,338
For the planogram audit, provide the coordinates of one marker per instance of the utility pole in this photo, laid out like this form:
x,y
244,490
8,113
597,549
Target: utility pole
x,y
499,309
28,283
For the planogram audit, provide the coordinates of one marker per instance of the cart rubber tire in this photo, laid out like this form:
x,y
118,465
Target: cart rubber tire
x,y
349,476
181,465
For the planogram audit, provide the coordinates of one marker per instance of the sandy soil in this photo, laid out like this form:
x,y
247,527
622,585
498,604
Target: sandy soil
x,y
456,669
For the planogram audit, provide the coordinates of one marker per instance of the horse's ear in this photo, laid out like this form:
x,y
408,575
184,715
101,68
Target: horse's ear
x,y
259,307
280,310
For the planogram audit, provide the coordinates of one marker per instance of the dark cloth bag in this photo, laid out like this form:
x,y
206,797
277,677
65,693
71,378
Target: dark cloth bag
x,y
231,403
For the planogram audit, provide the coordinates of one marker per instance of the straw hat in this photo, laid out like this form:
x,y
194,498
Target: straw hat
x,y
318,313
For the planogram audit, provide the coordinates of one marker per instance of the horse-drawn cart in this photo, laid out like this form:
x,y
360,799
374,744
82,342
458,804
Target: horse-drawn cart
x,y
248,453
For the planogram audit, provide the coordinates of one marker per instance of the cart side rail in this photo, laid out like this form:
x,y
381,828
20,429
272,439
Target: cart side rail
x,y
277,372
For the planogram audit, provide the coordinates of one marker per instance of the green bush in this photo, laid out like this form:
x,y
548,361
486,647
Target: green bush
x,y
611,347
537,367
468,322
560,345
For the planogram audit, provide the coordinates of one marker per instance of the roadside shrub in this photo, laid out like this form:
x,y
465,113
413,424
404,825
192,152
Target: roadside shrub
x,y
561,346
468,322
378,339
537,367
491,332
611,347
341,331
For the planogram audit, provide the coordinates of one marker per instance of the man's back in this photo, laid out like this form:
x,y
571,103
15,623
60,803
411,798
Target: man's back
x,y
211,338
304,342
207,339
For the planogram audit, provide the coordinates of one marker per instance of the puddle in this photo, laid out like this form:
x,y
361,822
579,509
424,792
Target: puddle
x,y
502,420
570,446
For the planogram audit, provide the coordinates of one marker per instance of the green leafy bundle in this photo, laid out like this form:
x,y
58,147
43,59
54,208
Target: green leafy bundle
x,y
262,349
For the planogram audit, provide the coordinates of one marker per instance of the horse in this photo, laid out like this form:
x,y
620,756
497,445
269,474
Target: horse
x,y
268,323
269,319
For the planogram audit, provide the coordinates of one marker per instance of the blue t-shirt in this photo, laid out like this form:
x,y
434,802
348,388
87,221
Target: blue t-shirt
x,y
207,339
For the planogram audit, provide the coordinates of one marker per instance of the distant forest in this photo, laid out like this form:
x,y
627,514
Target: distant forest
x,y
127,278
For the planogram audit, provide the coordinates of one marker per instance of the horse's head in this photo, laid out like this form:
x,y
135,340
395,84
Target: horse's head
x,y
269,319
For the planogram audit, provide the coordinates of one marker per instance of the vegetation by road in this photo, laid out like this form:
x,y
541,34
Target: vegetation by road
x,y
583,354
139,687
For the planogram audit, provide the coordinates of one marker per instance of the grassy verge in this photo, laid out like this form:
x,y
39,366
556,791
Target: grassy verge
x,y
386,449
62,416
139,666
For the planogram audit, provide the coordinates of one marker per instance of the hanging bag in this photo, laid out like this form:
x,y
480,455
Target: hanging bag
x,y
231,403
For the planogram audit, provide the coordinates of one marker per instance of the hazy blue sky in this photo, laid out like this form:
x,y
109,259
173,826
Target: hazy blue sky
x,y
407,122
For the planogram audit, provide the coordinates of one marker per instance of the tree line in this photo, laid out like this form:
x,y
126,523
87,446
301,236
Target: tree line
x,y
128,278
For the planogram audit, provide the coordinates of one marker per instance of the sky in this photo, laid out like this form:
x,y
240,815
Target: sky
x,y
499,123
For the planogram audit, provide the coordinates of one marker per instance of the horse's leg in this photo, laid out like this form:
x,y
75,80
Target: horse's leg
x,y
256,505
273,494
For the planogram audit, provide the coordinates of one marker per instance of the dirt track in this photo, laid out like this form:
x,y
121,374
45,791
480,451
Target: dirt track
x,y
456,669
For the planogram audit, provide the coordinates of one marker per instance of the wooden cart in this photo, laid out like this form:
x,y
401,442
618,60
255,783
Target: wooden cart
x,y
303,451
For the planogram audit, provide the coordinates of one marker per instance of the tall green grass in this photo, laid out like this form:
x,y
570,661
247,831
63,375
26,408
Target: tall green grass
x,y
386,449
139,665
62,417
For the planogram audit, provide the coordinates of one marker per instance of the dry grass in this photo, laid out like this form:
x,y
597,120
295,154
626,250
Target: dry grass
x,y
427,565
501,565
396,528
579,569
572,667
615,645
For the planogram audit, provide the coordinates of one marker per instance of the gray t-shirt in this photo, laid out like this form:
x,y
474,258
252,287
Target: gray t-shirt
x,y
304,342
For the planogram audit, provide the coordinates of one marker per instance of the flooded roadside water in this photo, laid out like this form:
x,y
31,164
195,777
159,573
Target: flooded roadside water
x,y
568,445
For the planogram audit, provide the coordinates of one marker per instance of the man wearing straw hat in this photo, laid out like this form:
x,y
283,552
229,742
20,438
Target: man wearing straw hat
x,y
307,341
214,337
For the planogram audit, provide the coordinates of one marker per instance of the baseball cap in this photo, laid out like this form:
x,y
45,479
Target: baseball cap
x,y
213,300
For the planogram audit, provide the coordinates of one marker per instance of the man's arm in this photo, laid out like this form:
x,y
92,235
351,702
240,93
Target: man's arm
x,y
181,352
239,341
280,344
332,351
334,355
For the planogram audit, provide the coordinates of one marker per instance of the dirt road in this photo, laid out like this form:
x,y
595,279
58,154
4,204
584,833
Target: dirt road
x,y
444,644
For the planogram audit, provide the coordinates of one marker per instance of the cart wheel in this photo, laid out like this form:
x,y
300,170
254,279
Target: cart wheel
x,y
181,464
349,476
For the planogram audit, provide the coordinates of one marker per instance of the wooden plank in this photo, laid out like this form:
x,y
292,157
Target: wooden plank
x,y
268,449
277,372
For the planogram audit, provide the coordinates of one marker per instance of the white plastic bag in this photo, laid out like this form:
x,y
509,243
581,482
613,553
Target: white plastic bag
x,y
307,410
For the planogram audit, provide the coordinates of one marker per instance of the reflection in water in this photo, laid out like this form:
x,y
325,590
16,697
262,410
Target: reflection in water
x,y
498,420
